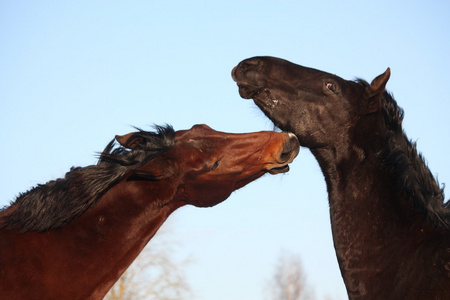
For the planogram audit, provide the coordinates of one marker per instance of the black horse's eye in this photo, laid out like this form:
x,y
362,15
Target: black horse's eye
x,y
331,86
216,164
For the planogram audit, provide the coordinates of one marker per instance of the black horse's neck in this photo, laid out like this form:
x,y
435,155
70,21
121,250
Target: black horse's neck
x,y
383,199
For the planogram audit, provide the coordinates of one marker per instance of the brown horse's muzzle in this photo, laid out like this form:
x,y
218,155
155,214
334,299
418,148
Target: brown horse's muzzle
x,y
290,150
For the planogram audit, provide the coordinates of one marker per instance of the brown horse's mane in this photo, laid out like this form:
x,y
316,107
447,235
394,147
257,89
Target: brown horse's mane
x,y
52,205
410,173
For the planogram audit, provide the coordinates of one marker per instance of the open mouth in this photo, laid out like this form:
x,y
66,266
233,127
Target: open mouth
x,y
248,91
278,170
258,94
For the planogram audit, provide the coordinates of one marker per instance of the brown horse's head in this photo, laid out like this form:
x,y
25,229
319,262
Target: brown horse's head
x,y
205,166
106,213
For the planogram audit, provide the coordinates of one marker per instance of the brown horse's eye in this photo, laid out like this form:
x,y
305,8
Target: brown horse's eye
x,y
216,164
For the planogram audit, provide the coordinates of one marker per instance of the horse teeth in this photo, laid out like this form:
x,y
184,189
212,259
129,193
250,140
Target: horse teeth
x,y
273,104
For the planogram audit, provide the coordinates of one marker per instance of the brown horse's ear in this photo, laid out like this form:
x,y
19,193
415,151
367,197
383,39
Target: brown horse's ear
x,y
129,140
157,169
375,91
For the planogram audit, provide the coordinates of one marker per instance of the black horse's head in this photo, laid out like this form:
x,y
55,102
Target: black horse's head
x,y
343,123
320,108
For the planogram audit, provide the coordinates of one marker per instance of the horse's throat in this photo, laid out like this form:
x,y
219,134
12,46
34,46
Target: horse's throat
x,y
369,232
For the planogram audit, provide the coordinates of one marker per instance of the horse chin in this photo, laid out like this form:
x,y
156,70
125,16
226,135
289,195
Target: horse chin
x,y
249,179
264,99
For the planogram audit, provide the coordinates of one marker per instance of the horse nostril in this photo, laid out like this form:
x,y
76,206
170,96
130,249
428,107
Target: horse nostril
x,y
291,148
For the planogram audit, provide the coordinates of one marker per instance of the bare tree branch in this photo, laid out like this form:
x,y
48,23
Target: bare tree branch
x,y
289,281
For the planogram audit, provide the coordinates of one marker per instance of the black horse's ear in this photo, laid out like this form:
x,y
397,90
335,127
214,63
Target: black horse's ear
x,y
130,140
375,91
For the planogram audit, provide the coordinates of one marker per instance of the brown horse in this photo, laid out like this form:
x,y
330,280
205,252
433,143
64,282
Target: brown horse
x,y
72,238
391,227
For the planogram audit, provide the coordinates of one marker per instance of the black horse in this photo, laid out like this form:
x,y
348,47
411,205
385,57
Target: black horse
x,y
391,227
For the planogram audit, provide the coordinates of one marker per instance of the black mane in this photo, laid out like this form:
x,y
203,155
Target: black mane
x,y
411,174
52,205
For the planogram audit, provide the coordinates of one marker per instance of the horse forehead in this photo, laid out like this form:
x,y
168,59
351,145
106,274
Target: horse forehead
x,y
212,141
282,67
200,132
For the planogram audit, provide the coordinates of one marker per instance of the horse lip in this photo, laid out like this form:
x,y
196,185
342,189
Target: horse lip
x,y
279,170
233,74
249,91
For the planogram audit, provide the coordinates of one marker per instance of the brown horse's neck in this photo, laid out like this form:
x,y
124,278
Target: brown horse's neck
x,y
375,230
92,251
136,213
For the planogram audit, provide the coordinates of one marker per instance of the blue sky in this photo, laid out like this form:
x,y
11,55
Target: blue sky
x,y
75,73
